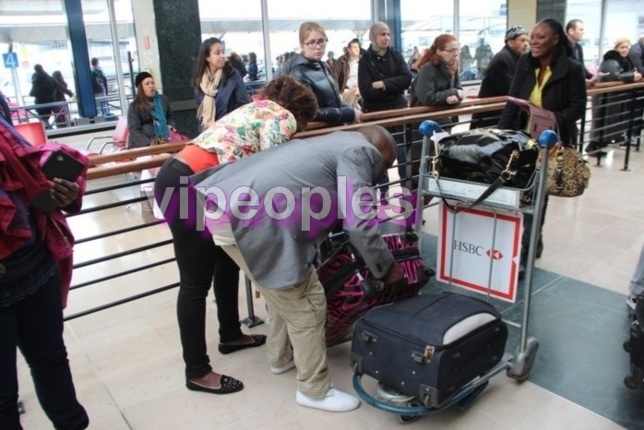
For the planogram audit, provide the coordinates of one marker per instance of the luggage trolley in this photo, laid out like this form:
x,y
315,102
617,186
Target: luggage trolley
x,y
518,365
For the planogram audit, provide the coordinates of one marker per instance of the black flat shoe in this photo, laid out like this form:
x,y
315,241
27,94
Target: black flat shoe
x,y
227,385
258,340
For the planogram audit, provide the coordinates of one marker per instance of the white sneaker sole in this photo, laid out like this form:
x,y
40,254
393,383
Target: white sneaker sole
x,y
283,369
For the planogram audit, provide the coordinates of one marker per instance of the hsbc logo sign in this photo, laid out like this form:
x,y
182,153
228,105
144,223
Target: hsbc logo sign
x,y
473,249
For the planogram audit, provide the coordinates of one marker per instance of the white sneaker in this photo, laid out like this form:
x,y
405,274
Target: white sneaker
x,y
333,401
283,369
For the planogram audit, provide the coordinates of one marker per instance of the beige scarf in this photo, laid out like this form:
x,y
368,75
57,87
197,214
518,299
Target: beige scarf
x,y
209,85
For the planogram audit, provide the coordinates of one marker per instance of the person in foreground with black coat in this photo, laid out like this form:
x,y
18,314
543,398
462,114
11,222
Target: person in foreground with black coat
x,y
550,78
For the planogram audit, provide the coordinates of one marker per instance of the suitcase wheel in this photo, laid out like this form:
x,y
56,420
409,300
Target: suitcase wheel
x,y
627,346
407,419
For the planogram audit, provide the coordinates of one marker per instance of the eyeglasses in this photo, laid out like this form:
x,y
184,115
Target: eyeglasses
x,y
314,43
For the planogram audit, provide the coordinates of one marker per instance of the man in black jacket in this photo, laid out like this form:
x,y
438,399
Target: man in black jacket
x,y
575,31
499,74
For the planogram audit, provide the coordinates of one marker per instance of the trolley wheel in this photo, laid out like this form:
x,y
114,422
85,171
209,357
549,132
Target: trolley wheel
x,y
523,361
627,346
629,381
407,419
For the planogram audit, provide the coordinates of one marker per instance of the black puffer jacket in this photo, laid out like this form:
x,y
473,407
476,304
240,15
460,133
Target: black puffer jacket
x,y
317,76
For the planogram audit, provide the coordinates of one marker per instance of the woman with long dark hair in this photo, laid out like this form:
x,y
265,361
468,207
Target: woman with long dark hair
x,y
219,88
550,78
61,90
149,117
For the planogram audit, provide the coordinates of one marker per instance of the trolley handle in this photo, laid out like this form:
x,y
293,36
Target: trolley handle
x,y
372,287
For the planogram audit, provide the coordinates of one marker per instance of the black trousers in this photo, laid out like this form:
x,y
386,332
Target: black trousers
x,y
35,325
200,263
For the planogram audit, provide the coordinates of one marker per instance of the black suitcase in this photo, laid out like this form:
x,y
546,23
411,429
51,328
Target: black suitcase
x,y
429,346
635,347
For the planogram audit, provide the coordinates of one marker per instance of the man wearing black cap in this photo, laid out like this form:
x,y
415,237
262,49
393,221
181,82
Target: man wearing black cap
x,y
500,72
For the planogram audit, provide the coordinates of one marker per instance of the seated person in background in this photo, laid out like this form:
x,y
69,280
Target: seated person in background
x,y
500,72
309,69
281,107
610,118
149,116
438,83
277,254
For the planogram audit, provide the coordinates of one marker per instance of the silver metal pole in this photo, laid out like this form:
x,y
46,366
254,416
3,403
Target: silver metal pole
x,y
116,46
268,59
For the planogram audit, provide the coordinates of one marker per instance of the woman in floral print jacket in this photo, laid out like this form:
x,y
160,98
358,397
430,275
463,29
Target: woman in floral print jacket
x,y
278,111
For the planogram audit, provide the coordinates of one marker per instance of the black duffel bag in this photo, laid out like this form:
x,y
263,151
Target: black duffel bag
x,y
485,155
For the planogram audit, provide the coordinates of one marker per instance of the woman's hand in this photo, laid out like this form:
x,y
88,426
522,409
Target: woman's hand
x,y
63,192
358,115
452,100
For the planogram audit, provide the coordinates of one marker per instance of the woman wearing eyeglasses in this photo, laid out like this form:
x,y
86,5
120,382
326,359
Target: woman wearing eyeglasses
x,y
309,69
438,83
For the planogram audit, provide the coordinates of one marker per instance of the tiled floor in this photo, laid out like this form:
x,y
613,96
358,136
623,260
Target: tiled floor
x,y
127,361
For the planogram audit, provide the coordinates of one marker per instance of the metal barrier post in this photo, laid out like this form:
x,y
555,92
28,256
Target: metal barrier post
x,y
252,320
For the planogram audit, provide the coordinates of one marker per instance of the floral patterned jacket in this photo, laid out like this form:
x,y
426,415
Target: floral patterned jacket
x,y
248,129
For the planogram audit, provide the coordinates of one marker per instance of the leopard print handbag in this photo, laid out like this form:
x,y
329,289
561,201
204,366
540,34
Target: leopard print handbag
x,y
568,173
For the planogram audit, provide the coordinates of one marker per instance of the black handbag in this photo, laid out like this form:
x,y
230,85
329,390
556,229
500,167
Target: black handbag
x,y
484,155
488,156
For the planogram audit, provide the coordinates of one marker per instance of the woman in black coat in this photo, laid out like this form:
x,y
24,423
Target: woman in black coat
x,y
548,77
611,110
383,75
42,90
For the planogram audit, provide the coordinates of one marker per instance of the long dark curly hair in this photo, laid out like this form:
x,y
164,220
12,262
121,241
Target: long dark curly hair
x,y
293,96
